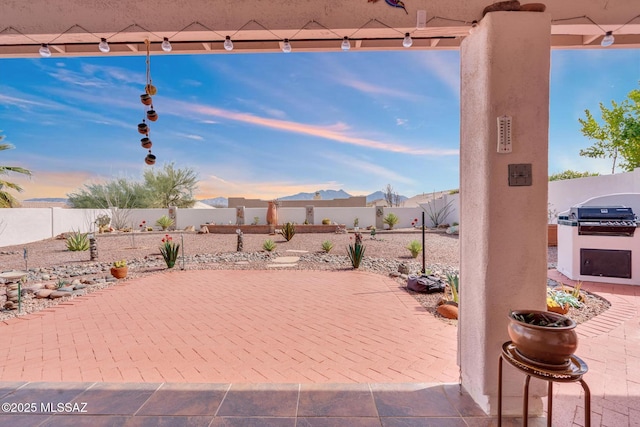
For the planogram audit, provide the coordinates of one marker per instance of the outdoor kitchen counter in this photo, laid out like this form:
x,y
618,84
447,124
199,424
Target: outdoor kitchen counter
x,y
607,256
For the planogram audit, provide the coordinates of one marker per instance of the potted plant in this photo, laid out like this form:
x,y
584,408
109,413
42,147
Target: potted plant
x,y
542,337
119,269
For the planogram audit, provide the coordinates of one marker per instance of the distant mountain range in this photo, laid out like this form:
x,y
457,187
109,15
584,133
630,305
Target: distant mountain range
x,y
222,202
324,195
48,199
218,202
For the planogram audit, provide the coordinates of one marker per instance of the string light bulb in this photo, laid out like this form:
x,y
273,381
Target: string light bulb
x,y
228,44
166,45
407,42
346,45
44,50
104,46
286,46
608,39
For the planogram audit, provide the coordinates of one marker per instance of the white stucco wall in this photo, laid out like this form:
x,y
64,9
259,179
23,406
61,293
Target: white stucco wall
x,y
570,192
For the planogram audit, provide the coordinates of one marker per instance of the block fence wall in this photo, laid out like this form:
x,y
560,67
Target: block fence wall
x,y
19,226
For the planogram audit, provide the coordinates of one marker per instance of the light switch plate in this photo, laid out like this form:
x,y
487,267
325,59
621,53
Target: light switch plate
x,y
520,174
421,21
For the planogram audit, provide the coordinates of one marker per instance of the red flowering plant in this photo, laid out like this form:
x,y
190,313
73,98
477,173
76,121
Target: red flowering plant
x,y
356,252
143,225
169,250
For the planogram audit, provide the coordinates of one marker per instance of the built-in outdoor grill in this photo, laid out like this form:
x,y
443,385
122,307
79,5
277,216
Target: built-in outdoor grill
x,y
604,220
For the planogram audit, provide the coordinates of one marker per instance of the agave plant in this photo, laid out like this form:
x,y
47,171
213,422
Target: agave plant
x,y
454,284
77,241
269,245
327,246
288,231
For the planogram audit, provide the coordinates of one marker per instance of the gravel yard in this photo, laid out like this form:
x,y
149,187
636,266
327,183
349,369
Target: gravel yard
x,y
50,261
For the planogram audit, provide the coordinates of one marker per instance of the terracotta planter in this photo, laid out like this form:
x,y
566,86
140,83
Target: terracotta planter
x,y
146,143
150,159
119,272
152,115
143,128
146,99
551,347
272,214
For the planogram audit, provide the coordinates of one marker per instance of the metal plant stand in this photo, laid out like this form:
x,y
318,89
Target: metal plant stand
x,y
572,373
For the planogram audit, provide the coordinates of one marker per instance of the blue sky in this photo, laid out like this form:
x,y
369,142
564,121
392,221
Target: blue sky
x,y
271,125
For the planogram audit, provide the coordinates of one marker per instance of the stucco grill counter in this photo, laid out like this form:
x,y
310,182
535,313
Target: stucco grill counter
x,y
597,243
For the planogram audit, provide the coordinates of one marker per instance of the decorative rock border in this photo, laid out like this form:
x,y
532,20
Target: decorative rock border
x,y
264,229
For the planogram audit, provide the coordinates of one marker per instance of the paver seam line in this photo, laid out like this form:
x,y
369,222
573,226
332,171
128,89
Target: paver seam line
x,y
222,401
375,405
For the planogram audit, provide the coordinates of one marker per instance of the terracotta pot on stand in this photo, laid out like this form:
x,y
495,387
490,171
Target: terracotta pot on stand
x,y
548,346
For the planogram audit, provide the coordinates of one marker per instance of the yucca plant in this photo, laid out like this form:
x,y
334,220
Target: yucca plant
x,y
414,247
356,251
327,246
77,241
164,222
288,231
391,219
269,245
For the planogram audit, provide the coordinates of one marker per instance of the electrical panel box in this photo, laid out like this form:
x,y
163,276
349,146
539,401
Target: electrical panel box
x,y
520,175
504,134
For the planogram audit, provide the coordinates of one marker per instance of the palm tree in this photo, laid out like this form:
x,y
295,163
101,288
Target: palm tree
x,y
6,199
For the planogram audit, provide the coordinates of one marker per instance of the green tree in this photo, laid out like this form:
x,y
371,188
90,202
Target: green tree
x,y
618,136
117,193
167,187
6,199
171,186
570,174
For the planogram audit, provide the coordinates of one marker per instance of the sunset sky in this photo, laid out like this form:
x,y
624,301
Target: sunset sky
x,y
271,125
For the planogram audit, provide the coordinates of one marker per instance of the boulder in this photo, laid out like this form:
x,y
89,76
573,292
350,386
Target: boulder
x,y
191,228
44,293
58,294
403,268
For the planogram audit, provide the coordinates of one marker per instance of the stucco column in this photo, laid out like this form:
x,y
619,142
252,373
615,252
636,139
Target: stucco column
x,y
503,260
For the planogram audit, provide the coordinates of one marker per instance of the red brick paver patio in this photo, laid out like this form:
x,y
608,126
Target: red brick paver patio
x,y
281,348
234,327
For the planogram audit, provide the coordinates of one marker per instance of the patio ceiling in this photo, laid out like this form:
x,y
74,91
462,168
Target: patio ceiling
x,y
74,27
